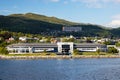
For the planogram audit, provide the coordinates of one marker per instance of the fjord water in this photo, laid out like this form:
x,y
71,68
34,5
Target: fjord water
x,y
60,69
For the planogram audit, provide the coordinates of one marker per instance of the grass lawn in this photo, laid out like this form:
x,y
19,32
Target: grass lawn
x,y
33,54
95,53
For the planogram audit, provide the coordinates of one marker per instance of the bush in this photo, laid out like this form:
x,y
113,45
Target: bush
x,y
90,53
98,51
3,50
117,44
53,54
112,50
76,52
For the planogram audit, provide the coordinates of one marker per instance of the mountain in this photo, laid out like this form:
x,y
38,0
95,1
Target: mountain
x,y
44,18
40,24
115,32
26,25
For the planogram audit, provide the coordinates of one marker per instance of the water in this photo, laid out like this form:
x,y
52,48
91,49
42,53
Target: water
x,y
64,69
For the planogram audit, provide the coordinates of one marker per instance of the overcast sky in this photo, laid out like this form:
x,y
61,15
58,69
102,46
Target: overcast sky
x,y
103,12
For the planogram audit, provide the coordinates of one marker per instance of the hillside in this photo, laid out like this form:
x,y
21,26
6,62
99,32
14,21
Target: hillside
x,y
40,24
20,24
115,32
44,18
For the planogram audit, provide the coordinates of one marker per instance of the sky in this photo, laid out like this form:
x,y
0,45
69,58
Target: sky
x,y
101,12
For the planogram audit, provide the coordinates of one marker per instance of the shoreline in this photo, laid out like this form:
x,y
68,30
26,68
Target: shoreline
x,y
59,57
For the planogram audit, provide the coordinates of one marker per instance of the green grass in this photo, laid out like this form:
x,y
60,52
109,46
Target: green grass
x,y
94,53
33,54
90,53
54,54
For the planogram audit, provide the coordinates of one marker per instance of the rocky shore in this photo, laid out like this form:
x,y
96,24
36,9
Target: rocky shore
x,y
58,57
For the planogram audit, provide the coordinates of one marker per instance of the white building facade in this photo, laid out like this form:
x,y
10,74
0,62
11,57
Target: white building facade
x,y
59,48
65,47
72,29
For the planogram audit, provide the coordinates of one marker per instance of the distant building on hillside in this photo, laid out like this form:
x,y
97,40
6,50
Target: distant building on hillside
x,y
24,39
71,29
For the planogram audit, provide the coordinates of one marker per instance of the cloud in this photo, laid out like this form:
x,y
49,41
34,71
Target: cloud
x,y
116,17
15,7
5,11
115,21
97,3
90,3
114,24
65,2
117,0
54,0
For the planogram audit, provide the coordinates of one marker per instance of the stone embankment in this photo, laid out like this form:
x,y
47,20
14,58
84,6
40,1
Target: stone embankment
x,y
59,57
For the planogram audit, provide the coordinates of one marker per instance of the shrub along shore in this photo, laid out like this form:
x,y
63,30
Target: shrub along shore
x,y
25,56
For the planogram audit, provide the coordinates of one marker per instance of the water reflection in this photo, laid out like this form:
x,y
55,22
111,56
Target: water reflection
x,y
60,69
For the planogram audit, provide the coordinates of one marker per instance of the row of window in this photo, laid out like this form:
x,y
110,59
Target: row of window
x,y
86,48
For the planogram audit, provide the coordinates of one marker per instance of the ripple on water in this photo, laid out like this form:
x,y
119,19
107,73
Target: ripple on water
x,y
101,74
75,69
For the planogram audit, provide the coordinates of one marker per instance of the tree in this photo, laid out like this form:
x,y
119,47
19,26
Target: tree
x,y
109,43
98,51
1,39
44,51
112,50
3,50
48,39
71,40
68,40
88,40
117,44
76,52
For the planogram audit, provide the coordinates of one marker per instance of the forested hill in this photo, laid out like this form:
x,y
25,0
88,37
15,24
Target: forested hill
x,y
44,18
26,25
40,24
